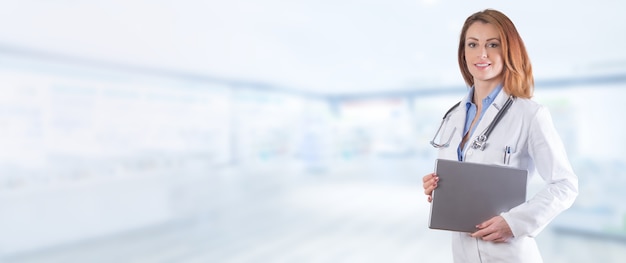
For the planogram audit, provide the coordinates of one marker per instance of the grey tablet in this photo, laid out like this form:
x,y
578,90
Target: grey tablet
x,y
468,194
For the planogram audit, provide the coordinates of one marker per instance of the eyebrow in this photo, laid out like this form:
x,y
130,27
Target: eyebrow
x,y
476,39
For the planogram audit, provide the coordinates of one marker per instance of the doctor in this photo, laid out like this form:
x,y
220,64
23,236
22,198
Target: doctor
x,y
498,123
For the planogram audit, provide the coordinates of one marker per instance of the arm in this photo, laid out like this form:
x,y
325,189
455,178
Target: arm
x,y
548,153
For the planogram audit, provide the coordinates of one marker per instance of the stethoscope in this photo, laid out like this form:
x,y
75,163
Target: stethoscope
x,y
480,142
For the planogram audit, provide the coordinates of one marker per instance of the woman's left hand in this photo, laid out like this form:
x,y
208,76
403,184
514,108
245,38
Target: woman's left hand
x,y
495,229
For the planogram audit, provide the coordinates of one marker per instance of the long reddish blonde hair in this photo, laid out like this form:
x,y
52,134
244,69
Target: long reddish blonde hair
x,y
517,71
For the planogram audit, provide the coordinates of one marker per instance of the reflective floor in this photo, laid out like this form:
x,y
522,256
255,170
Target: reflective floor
x,y
365,211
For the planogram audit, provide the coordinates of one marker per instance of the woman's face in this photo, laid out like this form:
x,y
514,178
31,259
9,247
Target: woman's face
x,y
483,53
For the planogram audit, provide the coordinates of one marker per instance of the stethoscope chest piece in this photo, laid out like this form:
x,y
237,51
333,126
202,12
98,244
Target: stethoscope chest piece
x,y
480,142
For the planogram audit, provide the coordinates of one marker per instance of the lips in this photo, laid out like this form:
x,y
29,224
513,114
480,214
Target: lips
x,y
482,66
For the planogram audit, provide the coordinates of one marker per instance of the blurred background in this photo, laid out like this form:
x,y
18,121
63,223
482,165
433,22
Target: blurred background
x,y
277,131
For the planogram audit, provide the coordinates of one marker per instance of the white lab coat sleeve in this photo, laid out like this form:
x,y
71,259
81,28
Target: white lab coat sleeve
x,y
546,150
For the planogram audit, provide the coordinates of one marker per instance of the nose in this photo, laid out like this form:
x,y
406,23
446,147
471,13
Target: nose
x,y
483,53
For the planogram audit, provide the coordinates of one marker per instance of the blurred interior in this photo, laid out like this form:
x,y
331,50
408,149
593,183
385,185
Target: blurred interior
x,y
269,131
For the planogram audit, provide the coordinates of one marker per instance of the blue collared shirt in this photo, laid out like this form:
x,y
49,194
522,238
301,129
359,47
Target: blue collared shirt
x,y
471,109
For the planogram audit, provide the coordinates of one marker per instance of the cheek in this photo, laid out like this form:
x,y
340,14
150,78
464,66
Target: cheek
x,y
498,63
470,53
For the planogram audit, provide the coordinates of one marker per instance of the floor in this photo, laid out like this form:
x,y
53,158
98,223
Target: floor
x,y
355,212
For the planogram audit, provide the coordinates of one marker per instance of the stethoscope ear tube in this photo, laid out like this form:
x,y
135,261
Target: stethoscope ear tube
x,y
447,143
448,112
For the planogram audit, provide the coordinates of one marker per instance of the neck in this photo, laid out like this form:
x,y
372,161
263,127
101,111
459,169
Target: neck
x,y
482,89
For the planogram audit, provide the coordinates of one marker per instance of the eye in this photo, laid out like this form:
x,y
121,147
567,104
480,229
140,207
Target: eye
x,y
471,44
493,45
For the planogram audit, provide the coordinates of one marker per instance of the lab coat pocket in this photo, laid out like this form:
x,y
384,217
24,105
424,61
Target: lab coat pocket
x,y
501,155
503,150
508,144
509,155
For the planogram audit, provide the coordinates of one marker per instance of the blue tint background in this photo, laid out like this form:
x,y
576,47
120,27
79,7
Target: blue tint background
x,y
265,131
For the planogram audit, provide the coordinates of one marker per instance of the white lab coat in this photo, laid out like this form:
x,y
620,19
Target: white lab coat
x,y
535,145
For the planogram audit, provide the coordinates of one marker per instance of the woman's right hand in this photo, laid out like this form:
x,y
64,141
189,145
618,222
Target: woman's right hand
x,y
430,183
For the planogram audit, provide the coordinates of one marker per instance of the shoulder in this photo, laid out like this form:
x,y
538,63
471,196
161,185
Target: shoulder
x,y
458,105
454,108
528,106
532,112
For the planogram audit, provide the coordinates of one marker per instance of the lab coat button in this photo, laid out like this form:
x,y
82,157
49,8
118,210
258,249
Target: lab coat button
x,y
470,152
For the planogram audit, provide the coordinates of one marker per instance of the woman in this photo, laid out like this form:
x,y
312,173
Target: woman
x,y
496,67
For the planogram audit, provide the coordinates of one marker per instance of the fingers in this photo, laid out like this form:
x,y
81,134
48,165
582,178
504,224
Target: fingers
x,y
484,229
488,234
430,183
429,190
428,177
495,236
500,240
492,236
494,229
486,223
481,233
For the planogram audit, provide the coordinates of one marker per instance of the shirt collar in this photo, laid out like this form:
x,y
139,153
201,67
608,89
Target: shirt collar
x,y
487,100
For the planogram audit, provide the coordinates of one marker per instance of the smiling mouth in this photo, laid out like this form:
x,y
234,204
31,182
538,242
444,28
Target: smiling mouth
x,y
482,65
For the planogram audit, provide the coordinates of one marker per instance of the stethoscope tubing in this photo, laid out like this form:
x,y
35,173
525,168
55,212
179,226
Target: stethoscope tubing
x,y
481,140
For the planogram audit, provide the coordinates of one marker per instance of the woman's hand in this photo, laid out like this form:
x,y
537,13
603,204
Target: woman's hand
x,y
430,183
495,229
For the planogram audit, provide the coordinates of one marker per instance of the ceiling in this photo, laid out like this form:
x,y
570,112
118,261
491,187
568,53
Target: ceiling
x,y
314,46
